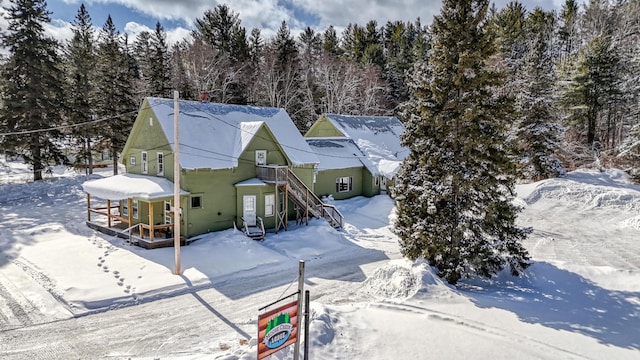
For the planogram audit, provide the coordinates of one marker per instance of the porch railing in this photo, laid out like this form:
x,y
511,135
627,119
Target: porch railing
x,y
300,193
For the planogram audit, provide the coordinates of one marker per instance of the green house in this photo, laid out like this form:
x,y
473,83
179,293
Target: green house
x,y
240,166
375,159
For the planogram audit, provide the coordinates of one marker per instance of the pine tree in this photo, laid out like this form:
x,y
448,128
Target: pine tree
x,y
116,72
160,64
33,91
221,29
591,88
454,205
539,131
80,67
330,42
568,32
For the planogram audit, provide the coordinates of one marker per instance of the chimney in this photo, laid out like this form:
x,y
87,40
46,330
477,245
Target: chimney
x,y
204,96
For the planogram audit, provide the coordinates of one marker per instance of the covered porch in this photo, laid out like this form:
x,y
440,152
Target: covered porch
x,y
138,208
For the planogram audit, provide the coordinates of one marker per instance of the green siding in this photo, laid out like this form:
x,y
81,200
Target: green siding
x,y
323,128
326,182
147,135
221,199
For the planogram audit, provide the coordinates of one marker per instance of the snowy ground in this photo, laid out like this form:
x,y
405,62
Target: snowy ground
x,y
67,291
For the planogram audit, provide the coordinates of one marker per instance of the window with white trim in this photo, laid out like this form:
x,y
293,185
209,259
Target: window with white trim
x,y
269,205
344,184
160,164
144,162
134,206
261,157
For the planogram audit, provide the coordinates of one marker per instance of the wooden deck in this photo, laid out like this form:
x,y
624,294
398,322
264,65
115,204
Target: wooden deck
x,y
119,230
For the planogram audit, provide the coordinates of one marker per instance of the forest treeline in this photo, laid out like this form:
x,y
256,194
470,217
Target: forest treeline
x,y
573,77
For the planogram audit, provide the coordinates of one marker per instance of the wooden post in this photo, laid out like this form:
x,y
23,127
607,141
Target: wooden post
x,y
88,207
306,324
151,223
130,207
296,346
108,213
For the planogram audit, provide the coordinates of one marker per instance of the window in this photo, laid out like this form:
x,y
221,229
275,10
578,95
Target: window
x,y
125,208
249,203
344,184
261,157
377,181
145,162
132,160
196,202
134,205
269,205
160,164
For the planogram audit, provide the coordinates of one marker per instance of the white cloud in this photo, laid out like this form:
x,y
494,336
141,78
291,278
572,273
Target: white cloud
x,y
173,35
341,13
59,30
267,15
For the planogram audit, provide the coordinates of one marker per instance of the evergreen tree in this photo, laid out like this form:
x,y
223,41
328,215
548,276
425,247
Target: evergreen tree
x,y
330,42
512,43
143,53
80,67
116,72
539,131
218,27
33,91
221,29
592,87
454,205
568,32
160,64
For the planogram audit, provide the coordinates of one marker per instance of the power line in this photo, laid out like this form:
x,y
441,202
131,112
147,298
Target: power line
x,y
68,126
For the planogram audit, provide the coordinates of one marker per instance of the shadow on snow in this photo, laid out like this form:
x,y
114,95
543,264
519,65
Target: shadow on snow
x,y
563,300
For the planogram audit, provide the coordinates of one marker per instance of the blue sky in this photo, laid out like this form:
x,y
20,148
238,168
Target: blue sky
x,y
177,16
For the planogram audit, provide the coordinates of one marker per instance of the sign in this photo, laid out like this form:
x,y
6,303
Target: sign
x,y
277,329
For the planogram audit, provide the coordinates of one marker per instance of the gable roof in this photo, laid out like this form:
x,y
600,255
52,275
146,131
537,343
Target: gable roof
x,y
340,153
377,136
213,136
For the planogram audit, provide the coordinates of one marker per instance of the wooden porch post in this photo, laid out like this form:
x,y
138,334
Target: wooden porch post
x,y
151,220
108,213
88,207
130,205
306,210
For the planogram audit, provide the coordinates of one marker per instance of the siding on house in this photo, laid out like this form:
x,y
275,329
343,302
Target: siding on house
x,y
214,170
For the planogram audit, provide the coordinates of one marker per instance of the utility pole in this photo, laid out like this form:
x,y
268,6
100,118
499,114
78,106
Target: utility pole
x,y
177,213
296,345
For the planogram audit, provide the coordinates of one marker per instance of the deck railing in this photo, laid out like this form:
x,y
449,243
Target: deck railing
x,y
300,193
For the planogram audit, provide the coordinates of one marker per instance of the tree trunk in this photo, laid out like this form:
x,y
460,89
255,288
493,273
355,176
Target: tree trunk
x,y
89,156
114,158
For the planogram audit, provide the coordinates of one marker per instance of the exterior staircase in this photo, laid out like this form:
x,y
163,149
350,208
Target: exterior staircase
x,y
308,203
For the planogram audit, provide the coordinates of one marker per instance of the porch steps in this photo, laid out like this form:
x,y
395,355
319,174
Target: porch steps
x,y
301,195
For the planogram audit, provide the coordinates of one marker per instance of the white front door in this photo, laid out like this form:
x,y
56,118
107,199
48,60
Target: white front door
x,y
249,209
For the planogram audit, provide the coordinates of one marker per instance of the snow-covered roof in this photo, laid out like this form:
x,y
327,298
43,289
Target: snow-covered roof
x,y
124,186
213,136
377,136
251,182
340,153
